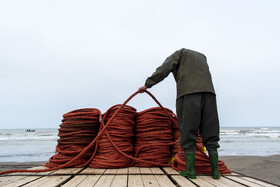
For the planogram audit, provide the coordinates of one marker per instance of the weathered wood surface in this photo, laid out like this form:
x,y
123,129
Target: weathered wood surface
x,y
124,177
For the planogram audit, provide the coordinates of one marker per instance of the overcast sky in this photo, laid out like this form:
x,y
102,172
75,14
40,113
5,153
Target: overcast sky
x,y
57,56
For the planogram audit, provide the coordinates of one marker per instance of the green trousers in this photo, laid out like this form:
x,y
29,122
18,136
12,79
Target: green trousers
x,y
198,111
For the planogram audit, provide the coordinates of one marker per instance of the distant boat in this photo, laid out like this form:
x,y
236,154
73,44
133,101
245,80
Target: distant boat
x,y
29,130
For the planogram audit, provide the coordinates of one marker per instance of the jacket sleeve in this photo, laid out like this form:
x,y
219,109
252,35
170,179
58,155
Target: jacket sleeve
x,y
169,65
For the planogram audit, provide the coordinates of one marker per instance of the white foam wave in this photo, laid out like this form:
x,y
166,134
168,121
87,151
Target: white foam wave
x,y
28,138
251,132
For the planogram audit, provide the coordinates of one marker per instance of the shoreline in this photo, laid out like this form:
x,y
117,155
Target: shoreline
x,y
261,167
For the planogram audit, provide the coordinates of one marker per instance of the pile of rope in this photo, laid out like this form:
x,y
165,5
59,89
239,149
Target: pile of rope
x,y
81,143
153,137
202,162
77,131
118,137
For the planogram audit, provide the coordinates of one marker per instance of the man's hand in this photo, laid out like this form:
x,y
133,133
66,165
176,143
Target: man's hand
x,y
142,89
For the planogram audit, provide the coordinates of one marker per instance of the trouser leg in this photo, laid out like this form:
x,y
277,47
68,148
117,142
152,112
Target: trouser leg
x,y
209,129
188,109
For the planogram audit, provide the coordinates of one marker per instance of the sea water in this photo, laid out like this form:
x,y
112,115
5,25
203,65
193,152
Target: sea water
x,y
17,145
250,141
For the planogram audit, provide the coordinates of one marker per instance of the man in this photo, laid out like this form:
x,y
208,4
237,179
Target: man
x,y
195,105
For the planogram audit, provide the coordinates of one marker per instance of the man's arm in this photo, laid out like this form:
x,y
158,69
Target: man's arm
x,y
163,71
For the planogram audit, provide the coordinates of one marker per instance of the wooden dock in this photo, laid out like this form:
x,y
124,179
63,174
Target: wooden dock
x,y
131,177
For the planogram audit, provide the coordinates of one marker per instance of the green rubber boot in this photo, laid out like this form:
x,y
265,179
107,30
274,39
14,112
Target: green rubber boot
x,y
214,165
190,171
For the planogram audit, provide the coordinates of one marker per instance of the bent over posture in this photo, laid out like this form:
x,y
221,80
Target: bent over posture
x,y
195,105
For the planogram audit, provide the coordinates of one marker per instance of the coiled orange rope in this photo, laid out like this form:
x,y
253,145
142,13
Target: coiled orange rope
x,y
202,163
78,129
121,133
87,148
153,137
75,161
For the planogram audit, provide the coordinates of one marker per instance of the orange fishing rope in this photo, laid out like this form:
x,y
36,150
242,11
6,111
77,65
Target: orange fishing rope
x,y
115,135
153,136
121,133
78,129
202,162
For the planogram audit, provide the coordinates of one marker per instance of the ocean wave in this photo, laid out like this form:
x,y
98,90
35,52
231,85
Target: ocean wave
x,y
36,157
45,135
27,155
37,138
21,146
263,135
251,132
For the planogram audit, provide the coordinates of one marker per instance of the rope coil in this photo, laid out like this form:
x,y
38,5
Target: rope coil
x,y
78,159
153,136
78,129
202,162
121,133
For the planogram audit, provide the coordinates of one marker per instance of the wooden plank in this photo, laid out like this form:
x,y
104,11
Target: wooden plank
x,y
33,173
134,170
200,182
69,171
119,181
242,181
122,171
229,182
92,171
105,181
182,181
22,181
49,181
38,167
221,182
10,179
82,181
135,181
170,170
164,181
145,171
232,173
90,180
258,182
156,171
75,181
110,171
150,181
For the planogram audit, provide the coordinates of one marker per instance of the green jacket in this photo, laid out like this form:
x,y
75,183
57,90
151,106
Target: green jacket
x,y
190,70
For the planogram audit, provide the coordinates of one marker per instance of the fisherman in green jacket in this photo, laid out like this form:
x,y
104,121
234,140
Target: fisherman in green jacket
x,y
195,105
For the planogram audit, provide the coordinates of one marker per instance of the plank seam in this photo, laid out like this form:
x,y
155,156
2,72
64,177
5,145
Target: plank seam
x,y
28,181
127,177
171,179
236,181
71,177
